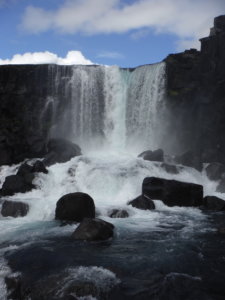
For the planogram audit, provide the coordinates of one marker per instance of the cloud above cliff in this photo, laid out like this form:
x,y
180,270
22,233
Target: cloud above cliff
x,y
72,58
187,19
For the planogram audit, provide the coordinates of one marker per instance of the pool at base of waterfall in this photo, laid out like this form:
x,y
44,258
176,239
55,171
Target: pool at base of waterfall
x,y
167,253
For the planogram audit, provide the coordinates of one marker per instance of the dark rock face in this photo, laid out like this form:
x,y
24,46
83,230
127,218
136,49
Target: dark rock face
x,y
196,96
118,213
156,155
172,192
14,209
93,230
214,171
60,150
214,203
13,284
75,207
17,184
142,202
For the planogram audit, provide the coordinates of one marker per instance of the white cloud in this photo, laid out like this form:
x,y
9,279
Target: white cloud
x,y
72,58
110,54
188,19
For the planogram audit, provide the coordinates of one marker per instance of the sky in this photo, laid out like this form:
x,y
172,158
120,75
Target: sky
x,y
127,33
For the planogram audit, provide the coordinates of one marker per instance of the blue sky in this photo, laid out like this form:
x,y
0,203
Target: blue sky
x,y
122,32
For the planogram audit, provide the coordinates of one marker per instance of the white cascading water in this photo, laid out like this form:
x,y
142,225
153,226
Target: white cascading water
x,y
108,108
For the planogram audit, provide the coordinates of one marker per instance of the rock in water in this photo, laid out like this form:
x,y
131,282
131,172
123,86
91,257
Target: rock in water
x,y
171,169
118,213
75,207
189,159
14,209
215,170
93,230
142,202
17,184
39,167
156,155
172,192
60,150
214,203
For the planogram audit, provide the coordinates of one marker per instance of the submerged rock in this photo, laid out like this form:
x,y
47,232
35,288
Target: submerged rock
x,y
221,186
189,159
172,192
14,209
118,213
75,207
215,171
39,167
172,169
214,203
156,155
60,150
93,230
142,202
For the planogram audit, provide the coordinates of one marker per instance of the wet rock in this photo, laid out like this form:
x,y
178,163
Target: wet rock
x,y
13,285
24,169
93,230
118,213
189,159
17,184
214,203
39,167
142,202
75,207
156,155
215,171
172,192
60,150
172,169
14,209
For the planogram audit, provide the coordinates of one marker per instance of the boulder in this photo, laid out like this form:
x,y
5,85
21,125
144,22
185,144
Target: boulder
x,y
215,170
14,209
214,203
75,207
142,202
93,230
156,155
171,169
189,159
118,213
39,167
60,150
24,169
17,184
172,192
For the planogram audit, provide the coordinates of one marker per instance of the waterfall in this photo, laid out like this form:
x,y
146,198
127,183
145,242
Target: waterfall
x,y
101,106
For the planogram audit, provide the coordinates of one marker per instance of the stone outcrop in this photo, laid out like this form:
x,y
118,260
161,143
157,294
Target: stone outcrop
x,y
142,202
14,209
196,97
173,192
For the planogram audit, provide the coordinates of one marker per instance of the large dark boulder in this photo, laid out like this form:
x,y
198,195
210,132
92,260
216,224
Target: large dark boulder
x,y
118,213
214,203
156,155
93,230
142,202
17,184
172,192
60,150
215,171
14,209
75,207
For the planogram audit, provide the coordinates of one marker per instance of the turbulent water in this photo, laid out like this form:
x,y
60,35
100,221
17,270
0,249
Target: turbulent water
x,y
112,113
